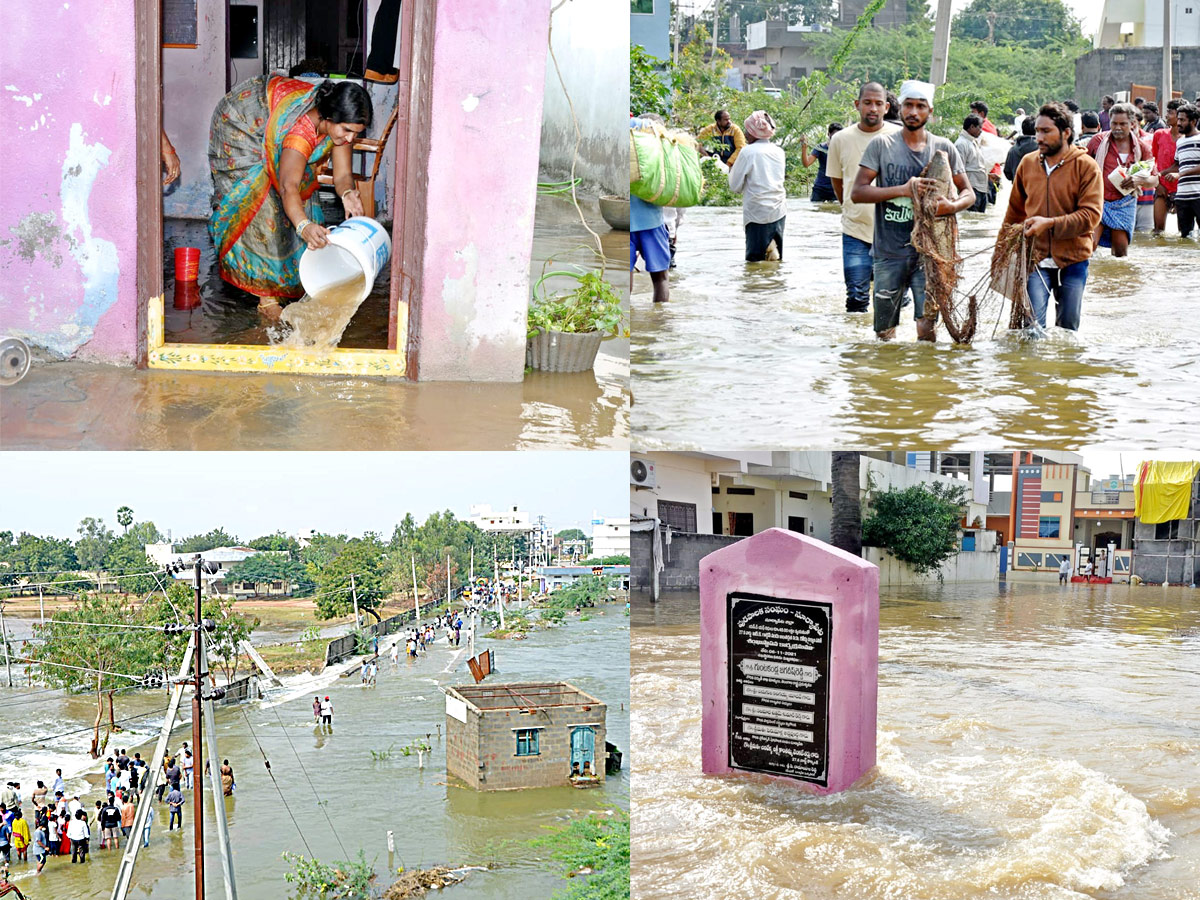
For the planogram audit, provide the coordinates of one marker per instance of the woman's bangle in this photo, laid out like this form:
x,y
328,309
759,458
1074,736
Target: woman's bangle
x,y
304,223
349,191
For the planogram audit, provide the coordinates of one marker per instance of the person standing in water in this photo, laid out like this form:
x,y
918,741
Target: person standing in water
x,y
758,177
822,189
889,174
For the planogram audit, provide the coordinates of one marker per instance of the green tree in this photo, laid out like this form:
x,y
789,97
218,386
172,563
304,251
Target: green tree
x,y
225,640
649,87
125,517
918,525
198,543
127,557
571,534
1023,23
94,540
87,657
33,553
277,541
361,558
263,568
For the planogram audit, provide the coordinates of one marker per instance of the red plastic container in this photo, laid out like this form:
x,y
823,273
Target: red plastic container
x,y
187,295
187,263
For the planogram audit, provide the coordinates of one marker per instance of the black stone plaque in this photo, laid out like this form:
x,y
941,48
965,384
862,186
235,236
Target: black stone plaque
x,y
779,686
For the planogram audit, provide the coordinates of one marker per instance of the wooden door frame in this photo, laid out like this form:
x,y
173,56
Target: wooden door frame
x,y
409,191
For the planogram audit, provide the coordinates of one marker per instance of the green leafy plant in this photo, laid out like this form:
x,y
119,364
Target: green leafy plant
x,y
342,880
594,853
649,89
383,755
918,525
593,305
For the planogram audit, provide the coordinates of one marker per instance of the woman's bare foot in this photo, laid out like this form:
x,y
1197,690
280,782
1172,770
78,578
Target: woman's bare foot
x,y
270,308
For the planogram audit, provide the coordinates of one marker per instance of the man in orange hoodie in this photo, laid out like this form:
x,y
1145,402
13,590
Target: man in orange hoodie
x,y
1058,195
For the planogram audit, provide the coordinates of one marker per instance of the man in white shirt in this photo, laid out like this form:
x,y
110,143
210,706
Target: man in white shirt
x,y
967,146
858,219
758,177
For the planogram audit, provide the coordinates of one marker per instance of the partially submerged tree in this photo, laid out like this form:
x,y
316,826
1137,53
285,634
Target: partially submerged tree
x,y
81,652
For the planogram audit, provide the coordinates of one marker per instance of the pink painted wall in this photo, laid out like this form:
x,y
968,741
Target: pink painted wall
x,y
489,65
782,564
68,232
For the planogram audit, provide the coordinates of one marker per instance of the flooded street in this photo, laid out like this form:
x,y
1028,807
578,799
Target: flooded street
x,y
364,799
1035,743
766,352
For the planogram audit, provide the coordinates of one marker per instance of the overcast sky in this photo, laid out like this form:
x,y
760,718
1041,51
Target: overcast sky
x,y
1105,462
251,494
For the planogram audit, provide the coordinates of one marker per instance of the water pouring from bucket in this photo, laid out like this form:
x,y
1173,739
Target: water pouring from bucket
x,y
337,279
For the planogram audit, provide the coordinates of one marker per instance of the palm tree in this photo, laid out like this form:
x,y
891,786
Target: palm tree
x,y
846,527
125,517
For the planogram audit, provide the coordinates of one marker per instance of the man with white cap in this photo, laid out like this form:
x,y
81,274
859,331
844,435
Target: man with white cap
x,y
758,176
888,175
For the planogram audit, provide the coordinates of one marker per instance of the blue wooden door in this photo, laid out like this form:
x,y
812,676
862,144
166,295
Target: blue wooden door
x,y
583,749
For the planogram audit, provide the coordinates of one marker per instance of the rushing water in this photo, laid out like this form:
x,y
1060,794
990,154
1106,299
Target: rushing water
x,y
766,351
1035,743
432,822
318,321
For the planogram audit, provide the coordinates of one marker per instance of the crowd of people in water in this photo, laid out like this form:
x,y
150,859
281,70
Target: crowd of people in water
x,y
1080,180
53,821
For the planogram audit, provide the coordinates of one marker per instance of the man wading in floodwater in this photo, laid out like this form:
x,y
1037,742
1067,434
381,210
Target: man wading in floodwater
x,y
1119,147
897,161
1057,194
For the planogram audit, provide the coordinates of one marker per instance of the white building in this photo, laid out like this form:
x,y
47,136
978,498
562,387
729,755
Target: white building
x,y
1139,23
610,537
509,521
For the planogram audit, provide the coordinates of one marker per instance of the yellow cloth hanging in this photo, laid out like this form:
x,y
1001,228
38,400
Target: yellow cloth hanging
x,y
1164,490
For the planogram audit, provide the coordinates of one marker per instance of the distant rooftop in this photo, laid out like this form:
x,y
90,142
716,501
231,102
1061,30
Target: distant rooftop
x,y
523,696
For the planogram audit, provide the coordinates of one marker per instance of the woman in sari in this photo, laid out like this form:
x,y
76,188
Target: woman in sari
x,y
269,139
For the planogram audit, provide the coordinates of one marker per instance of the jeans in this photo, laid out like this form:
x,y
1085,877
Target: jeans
x,y
146,836
893,277
175,814
1067,285
856,268
1187,212
760,236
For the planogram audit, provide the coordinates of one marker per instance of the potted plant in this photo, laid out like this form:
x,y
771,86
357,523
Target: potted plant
x,y
566,328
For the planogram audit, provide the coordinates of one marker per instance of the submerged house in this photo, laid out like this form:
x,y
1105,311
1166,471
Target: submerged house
x,y
501,737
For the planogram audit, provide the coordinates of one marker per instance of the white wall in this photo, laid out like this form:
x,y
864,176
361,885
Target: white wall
x,y
193,84
962,567
591,44
683,479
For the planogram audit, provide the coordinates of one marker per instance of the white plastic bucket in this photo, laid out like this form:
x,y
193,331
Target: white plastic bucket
x,y
359,246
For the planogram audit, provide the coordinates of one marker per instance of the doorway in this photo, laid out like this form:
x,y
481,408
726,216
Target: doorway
x,y
583,751
211,325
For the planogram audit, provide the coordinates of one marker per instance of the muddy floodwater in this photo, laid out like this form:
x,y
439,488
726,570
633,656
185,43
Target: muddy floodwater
x,y
1035,743
766,351
432,822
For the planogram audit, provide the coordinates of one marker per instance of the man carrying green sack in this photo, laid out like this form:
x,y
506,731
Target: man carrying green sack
x,y
648,237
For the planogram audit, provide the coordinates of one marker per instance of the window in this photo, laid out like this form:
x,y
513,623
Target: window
x,y
1052,496
740,491
797,524
1167,531
799,71
680,516
716,490
718,523
741,524
641,7
1048,527
527,742
798,495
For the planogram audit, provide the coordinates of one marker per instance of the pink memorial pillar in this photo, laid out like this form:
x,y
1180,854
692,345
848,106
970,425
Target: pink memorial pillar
x,y
789,660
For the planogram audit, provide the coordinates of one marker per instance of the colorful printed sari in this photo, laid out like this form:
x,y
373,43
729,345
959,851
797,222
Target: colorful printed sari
x,y
258,249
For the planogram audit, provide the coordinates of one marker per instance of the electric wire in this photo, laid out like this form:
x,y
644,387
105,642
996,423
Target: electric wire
x,y
60,734
42,662
267,763
311,786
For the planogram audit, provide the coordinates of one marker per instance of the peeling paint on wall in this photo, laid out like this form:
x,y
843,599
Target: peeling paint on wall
x,y
36,235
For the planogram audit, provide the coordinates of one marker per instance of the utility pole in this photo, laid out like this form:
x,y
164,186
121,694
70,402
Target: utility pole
x,y
41,604
716,25
197,767
416,601
941,43
678,19
447,579
1166,98
354,596
214,768
4,638
499,593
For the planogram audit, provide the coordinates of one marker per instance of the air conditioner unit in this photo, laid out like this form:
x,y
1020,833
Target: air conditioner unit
x,y
641,473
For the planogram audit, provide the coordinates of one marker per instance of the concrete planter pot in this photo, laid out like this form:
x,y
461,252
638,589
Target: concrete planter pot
x,y
558,351
615,211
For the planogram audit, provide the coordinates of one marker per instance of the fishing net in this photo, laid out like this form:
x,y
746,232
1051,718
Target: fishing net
x,y
1006,279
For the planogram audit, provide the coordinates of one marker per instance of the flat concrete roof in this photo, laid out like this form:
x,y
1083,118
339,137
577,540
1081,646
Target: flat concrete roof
x,y
522,695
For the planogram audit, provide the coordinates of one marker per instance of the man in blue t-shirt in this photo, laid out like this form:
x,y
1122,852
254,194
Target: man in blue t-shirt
x,y
649,238
822,189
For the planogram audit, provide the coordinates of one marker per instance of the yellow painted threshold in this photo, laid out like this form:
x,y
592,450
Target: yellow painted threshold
x,y
254,358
